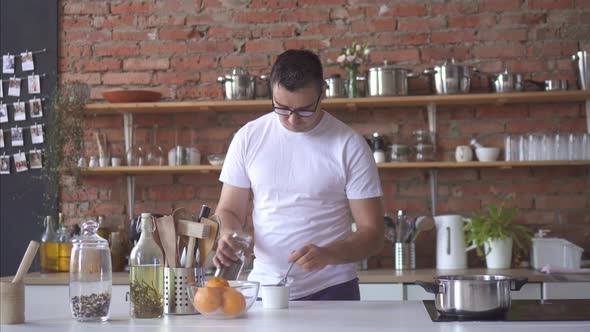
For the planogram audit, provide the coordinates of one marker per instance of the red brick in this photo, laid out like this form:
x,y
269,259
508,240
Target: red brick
x,y
420,23
120,49
145,64
527,126
223,32
193,62
401,39
314,29
403,10
501,112
213,91
257,17
150,48
561,48
310,44
450,37
526,19
560,202
304,15
162,20
88,78
86,8
176,6
478,127
502,34
133,34
107,208
80,194
452,8
550,4
410,54
86,36
536,218
582,3
439,54
99,64
262,45
181,34
126,78
526,65
131,8
454,205
155,180
77,22
471,21
499,5
387,24
210,47
77,50
499,51
409,205
547,33
278,4
113,21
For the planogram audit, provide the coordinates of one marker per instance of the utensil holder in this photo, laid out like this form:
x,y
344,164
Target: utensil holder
x,y
12,302
176,280
405,256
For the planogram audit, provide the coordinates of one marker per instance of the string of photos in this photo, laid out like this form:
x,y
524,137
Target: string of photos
x,y
16,111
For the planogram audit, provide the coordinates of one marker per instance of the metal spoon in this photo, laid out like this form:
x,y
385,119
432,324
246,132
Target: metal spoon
x,y
283,281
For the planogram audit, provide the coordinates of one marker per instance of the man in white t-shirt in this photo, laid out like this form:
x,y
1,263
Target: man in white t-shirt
x,y
308,173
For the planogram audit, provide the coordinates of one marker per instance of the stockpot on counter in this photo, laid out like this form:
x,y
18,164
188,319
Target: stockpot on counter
x,y
450,78
473,295
387,80
238,85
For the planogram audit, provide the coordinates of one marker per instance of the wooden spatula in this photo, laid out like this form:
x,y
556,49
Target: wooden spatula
x,y
207,244
167,233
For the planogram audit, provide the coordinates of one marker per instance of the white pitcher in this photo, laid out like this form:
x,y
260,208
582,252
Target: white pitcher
x,y
450,242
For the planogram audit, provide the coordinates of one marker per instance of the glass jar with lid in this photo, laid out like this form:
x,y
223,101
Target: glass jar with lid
x,y
424,147
399,152
90,275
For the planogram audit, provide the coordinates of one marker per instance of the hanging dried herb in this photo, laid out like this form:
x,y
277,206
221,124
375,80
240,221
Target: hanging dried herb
x,y
146,299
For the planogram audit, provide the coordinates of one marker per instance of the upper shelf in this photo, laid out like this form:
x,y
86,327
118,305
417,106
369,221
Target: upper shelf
x,y
410,165
343,103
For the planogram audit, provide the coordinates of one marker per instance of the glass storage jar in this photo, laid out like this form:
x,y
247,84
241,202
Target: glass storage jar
x,y
399,152
90,275
424,147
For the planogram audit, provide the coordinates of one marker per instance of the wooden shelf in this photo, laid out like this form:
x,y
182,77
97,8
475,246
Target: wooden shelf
x,y
343,103
125,170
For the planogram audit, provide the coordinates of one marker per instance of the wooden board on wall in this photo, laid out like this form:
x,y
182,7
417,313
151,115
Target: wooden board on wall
x,y
25,25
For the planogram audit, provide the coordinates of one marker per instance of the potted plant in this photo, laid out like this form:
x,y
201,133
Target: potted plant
x,y
494,233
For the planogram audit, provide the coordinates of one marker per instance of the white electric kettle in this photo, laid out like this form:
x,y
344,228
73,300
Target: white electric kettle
x,y
450,242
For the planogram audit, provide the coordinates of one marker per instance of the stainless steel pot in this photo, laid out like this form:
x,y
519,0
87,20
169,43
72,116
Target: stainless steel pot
x,y
263,87
550,85
238,85
450,78
582,70
476,295
506,82
387,80
336,86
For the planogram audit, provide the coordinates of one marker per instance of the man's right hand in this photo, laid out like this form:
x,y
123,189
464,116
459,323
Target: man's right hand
x,y
226,251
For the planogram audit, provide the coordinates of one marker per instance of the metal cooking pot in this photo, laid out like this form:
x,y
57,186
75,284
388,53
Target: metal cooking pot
x,y
263,87
450,78
336,86
582,70
239,85
550,85
476,295
387,80
506,82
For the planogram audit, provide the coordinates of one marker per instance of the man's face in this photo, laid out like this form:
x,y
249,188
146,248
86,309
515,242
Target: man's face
x,y
304,99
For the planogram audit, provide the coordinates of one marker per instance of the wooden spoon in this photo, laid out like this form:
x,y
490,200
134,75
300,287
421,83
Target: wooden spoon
x,y
167,233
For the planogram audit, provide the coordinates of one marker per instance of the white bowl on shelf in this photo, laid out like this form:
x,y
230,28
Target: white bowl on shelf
x,y
487,154
216,159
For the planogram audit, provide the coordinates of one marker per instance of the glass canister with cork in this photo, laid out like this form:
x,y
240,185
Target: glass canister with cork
x,y
90,275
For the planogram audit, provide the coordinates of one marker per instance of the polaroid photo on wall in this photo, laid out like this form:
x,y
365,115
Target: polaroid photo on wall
x,y
37,134
27,61
20,162
34,84
8,64
19,111
16,135
14,87
1,138
4,164
36,108
36,159
1,90
3,113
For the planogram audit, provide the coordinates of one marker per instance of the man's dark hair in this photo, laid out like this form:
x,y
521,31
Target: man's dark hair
x,y
295,69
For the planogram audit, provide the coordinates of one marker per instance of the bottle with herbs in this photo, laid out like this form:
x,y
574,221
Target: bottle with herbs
x,y
146,273
90,275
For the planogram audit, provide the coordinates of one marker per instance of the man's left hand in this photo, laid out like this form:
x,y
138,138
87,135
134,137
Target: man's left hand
x,y
310,257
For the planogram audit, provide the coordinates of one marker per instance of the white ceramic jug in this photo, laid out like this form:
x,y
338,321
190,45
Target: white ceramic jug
x,y
450,242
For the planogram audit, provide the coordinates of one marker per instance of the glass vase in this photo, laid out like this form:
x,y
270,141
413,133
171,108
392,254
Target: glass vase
x,y
352,87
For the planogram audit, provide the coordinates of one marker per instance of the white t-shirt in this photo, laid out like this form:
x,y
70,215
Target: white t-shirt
x,y
301,183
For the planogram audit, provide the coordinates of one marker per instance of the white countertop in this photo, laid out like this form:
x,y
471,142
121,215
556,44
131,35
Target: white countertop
x,y
47,310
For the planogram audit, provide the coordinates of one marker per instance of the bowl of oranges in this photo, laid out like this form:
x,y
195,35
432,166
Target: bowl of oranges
x,y
222,299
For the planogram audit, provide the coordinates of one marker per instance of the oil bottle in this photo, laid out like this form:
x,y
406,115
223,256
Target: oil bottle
x,y
65,245
49,247
146,274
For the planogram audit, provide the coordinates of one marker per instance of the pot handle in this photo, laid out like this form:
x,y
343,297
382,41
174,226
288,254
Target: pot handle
x,y
517,283
222,79
429,71
541,85
430,287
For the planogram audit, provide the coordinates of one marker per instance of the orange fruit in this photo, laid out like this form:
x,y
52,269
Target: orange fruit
x,y
217,282
232,301
207,300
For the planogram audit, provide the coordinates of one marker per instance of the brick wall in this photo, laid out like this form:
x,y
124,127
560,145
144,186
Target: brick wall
x,y
180,47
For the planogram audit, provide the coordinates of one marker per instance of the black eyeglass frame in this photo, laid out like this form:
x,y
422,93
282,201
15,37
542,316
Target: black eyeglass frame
x,y
288,111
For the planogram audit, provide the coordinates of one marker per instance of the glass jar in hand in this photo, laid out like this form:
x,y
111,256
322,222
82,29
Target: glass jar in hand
x,y
90,275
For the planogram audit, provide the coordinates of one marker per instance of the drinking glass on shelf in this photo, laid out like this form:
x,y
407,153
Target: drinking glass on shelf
x,y
586,146
154,155
134,155
523,148
561,147
534,147
548,147
511,148
574,147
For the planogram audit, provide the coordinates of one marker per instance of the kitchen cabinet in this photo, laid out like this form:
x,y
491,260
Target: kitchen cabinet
x,y
382,292
566,290
128,110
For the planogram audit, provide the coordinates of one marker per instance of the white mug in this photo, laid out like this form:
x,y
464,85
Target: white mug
x,y
463,153
115,161
103,162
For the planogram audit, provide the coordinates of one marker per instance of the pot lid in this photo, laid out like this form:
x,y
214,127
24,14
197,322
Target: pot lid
x,y
386,67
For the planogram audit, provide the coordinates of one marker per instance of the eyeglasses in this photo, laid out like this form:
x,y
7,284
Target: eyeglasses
x,y
288,111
